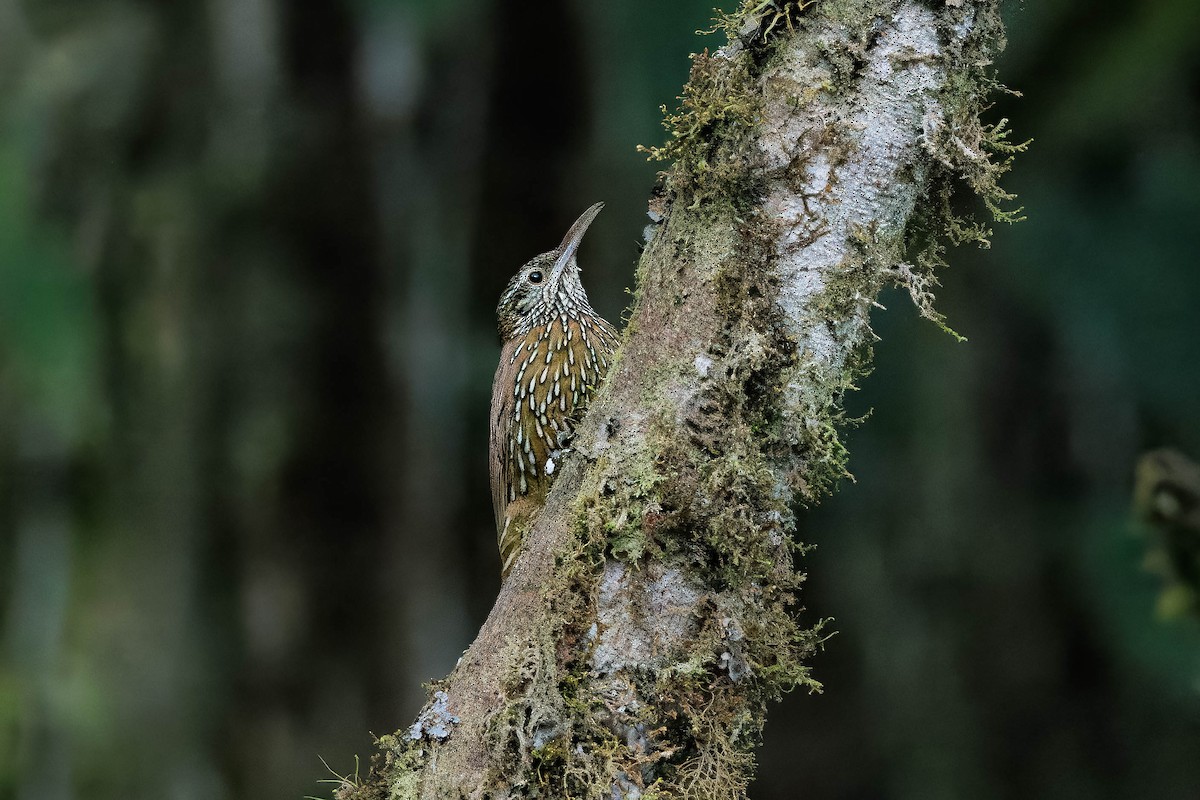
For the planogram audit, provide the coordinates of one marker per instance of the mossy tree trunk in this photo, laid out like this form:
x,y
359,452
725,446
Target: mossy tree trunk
x,y
651,618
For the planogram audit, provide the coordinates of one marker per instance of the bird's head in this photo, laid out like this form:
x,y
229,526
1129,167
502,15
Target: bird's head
x,y
547,285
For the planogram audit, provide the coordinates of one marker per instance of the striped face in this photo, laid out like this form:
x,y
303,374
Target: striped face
x,y
546,287
531,296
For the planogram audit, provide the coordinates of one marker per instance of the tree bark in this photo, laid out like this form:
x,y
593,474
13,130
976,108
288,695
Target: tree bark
x,y
652,615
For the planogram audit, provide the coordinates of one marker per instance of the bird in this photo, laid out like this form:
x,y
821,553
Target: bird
x,y
555,352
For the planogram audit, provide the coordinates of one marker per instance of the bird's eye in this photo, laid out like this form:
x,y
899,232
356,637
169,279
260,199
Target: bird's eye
x,y
535,276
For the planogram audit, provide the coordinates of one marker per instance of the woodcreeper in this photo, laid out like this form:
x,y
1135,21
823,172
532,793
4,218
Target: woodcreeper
x,y
556,351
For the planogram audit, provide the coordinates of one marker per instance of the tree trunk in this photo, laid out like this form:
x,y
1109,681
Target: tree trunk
x,y
651,617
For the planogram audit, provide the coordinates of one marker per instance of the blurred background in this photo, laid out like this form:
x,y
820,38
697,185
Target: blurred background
x,y
249,257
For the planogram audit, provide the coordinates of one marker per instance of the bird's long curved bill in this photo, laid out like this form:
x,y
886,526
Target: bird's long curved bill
x,y
570,242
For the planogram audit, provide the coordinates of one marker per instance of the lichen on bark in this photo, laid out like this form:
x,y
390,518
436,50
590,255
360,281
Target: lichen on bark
x,y
653,614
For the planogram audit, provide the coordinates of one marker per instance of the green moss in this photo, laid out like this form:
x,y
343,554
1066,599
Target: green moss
x,y
970,154
398,758
715,111
759,21
729,463
706,725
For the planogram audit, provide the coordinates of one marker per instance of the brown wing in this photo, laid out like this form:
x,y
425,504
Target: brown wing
x,y
539,411
501,424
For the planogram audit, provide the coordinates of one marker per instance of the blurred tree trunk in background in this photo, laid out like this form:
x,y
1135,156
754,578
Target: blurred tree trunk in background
x,y
273,207
204,158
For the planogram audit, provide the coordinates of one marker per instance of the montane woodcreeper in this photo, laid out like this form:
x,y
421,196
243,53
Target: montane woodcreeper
x,y
556,351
